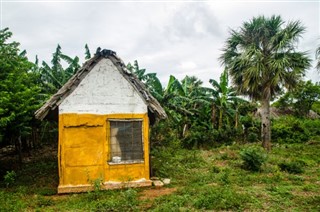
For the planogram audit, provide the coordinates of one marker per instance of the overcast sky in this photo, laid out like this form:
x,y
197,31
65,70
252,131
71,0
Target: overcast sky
x,y
166,37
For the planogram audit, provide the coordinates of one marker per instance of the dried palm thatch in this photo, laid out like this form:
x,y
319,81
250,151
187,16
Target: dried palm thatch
x,y
50,108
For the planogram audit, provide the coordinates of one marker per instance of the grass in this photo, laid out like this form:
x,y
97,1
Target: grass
x,y
201,180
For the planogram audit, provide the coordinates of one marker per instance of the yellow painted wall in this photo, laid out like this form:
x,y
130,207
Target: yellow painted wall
x,y
84,150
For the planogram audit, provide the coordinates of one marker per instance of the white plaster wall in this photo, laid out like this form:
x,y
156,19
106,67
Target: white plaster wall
x,y
104,91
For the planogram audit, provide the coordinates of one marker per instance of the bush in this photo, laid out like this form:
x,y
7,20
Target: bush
x,y
293,167
198,136
252,137
9,178
227,135
290,129
253,158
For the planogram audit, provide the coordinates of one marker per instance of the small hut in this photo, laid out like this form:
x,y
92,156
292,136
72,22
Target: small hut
x,y
104,113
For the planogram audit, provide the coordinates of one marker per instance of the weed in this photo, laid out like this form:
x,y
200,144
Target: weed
x,y
97,184
223,198
9,178
225,176
253,158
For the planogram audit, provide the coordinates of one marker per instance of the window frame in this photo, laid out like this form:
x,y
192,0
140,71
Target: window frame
x,y
131,120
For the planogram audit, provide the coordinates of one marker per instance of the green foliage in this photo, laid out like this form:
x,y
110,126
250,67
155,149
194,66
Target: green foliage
x,y
9,178
261,58
198,136
210,179
225,102
224,198
316,107
301,99
177,161
11,201
253,158
290,129
225,177
252,137
293,167
263,53
54,77
18,90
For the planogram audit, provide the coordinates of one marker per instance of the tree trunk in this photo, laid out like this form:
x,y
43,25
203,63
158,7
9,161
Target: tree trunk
x,y
236,119
213,116
220,118
265,124
185,128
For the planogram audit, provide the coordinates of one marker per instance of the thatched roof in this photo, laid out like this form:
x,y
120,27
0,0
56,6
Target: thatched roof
x,y
50,108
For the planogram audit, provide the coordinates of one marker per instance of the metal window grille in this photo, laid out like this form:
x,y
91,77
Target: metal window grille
x,y
126,143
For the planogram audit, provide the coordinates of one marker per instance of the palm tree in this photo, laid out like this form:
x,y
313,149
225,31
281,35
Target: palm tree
x,y
262,59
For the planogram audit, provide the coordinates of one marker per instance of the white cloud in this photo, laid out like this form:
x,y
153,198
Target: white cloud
x,y
167,38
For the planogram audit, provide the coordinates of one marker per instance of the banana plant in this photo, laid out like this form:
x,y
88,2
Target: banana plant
x,y
55,76
225,100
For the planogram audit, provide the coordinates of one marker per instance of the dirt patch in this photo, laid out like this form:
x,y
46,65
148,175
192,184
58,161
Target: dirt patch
x,y
153,193
304,193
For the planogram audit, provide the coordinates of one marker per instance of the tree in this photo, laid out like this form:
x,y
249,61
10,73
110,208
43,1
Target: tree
x,y
262,59
301,99
54,77
224,98
18,92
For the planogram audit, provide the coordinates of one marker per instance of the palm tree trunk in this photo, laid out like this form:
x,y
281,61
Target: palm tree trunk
x,y
265,124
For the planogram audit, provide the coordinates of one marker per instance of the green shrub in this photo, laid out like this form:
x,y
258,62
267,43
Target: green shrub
x,y
289,129
253,158
293,167
312,125
9,178
198,136
252,137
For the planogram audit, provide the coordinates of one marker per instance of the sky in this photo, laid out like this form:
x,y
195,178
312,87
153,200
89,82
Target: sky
x,y
166,37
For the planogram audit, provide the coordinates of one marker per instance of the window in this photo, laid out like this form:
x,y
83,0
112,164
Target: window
x,y
126,143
